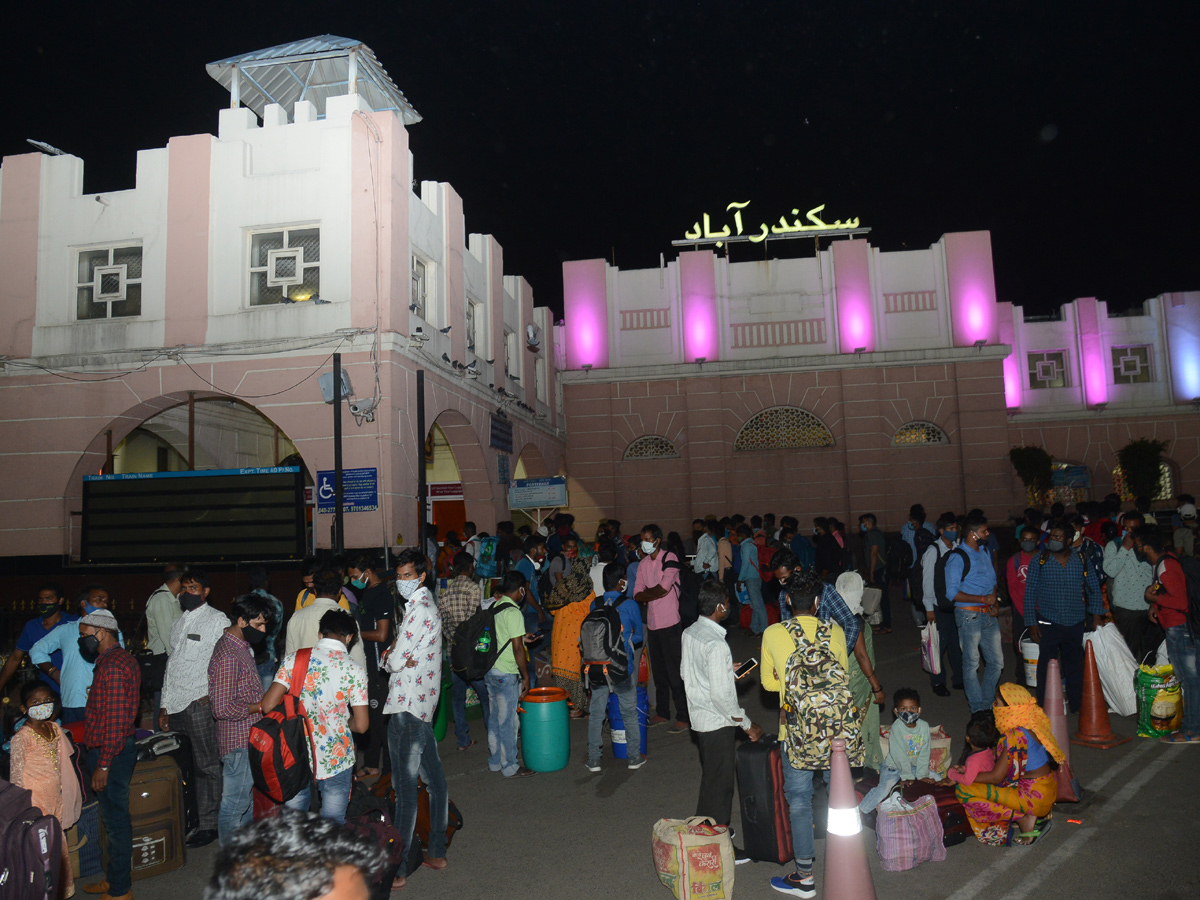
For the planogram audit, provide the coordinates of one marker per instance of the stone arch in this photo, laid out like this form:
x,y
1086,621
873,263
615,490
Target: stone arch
x,y
472,465
533,461
783,427
919,434
651,446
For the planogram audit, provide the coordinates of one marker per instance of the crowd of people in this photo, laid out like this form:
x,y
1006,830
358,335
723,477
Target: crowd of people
x,y
364,642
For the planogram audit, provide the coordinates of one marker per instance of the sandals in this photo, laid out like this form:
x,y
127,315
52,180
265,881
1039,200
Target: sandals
x,y
879,629
1039,832
1180,737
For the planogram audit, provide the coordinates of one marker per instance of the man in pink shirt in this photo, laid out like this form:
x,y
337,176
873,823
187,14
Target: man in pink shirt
x,y
657,588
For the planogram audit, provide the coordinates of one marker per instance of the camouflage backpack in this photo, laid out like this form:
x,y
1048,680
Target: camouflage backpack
x,y
817,704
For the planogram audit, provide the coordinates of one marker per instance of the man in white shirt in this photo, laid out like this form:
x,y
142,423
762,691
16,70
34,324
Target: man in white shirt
x,y
334,694
184,705
716,716
706,562
470,540
162,611
304,627
415,663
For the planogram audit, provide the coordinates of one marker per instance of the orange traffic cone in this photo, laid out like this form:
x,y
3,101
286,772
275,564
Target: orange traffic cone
x,y
1094,728
847,873
1069,790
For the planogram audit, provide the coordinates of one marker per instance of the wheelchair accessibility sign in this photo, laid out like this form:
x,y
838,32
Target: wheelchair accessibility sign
x,y
360,490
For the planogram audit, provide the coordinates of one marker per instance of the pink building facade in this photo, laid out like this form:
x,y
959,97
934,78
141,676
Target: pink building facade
x,y
229,274
856,381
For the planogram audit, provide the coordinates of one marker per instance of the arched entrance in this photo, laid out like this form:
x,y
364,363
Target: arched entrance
x,y
456,474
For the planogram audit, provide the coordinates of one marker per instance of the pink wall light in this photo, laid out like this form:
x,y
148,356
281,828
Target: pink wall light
x,y
972,287
855,309
585,309
1091,360
698,282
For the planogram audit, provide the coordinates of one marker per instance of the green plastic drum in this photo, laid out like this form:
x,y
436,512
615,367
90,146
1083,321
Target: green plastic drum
x,y
441,715
545,732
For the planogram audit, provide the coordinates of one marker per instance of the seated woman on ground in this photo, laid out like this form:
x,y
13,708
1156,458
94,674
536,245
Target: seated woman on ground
x,y
1011,804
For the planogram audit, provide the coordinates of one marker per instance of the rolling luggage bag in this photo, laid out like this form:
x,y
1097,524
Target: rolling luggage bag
x,y
156,816
766,833
30,847
178,746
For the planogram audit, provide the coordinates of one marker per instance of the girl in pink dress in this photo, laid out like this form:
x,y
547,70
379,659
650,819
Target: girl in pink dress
x,y
41,763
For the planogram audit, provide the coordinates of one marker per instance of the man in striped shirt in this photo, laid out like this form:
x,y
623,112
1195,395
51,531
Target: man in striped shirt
x,y
235,697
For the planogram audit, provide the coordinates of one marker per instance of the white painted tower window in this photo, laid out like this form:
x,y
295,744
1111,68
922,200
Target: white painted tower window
x,y
108,282
285,265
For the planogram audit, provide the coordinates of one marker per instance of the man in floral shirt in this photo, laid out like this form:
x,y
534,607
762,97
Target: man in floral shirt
x,y
415,663
334,696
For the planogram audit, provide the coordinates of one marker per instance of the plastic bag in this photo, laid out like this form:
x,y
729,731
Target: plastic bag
x,y
1118,669
872,600
694,858
931,649
908,834
1159,701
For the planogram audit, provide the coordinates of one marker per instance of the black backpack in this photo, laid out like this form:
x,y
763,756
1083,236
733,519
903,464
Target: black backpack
x,y
944,603
689,590
899,559
475,648
924,539
602,646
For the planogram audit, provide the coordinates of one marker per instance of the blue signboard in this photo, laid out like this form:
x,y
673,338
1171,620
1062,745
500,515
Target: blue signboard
x,y
360,490
203,473
537,493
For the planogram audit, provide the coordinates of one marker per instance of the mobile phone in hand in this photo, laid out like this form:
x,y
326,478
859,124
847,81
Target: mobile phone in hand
x,y
745,668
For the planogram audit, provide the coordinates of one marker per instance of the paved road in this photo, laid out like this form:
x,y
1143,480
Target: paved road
x,y
571,834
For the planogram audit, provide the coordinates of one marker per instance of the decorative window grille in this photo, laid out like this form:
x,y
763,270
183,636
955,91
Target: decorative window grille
x,y
651,446
1048,370
285,265
420,287
783,427
108,283
1166,484
1131,365
915,434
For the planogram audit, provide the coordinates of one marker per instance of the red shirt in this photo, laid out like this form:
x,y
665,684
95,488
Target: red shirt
x,y
1092,530
112,705
1018,568
1172,601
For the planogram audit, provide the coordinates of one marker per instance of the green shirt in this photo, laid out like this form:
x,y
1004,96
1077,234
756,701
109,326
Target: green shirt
x,y
510,623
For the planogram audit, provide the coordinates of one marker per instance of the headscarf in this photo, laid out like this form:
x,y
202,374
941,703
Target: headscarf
x,y
1023,712
574,587
850,586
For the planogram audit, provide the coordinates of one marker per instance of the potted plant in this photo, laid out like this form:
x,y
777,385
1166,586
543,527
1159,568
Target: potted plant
x,y
1035,468
1141,466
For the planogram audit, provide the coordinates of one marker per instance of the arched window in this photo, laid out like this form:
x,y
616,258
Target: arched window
x,y
915,434
783,427
651,446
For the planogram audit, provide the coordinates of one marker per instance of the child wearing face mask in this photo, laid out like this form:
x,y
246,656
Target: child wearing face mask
x,y
907,758
41,763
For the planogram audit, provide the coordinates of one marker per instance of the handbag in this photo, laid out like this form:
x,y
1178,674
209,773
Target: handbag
x,y
908,834
694,858
931,649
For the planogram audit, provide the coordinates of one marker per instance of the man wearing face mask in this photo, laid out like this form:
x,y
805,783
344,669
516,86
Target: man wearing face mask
x,y
537,620
50,616
75,676
414,668
1062,588
376,612
1131,575
304,627
509,679
185,701
235,696
971,583
947,529
109,722
657,589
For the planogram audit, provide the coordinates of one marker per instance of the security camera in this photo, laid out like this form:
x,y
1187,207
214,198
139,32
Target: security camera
x,y
363,407
419,334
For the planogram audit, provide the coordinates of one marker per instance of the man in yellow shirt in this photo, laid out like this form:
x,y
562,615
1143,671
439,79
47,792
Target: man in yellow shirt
x,y
308,594
804,589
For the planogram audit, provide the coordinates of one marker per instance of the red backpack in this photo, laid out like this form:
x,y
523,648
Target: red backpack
x,y
281,742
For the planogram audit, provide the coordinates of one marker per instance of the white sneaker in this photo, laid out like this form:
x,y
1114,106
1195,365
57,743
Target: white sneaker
x,y
637,762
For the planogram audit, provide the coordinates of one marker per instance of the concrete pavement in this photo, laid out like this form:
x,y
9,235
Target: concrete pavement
x,y
572,834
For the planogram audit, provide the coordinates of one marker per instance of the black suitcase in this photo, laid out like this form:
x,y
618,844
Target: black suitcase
x,y
766,833
178,746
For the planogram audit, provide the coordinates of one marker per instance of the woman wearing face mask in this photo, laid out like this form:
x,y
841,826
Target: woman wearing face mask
x,y
1015,574
41,763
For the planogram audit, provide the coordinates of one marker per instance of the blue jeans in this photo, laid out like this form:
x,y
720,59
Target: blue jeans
x,y
626,691
888,779
758,621
72,714
266,672
414,752
335,795
979,632
1183,649
798,788
504,692
458,699
114,811
237,793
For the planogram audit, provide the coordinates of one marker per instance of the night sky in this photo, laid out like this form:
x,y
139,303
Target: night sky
x,y
578,130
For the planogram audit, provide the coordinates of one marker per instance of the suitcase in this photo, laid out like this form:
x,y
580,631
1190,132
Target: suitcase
x,y
30,847
766,833
156,814
178,746
454,821
83,842
375,826
955,826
